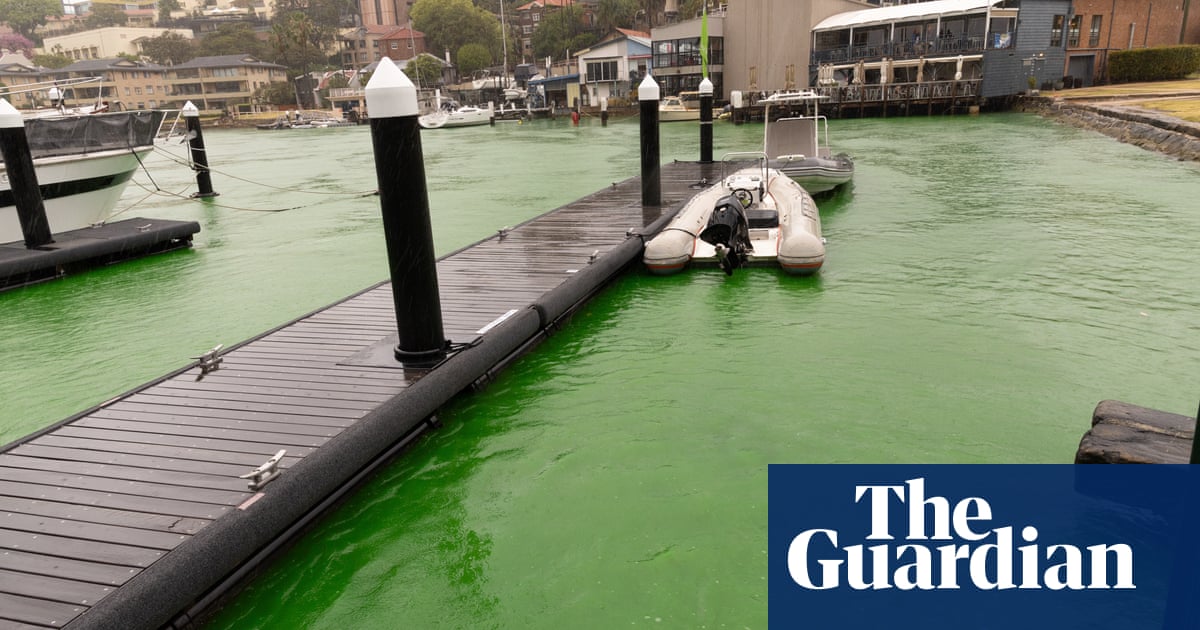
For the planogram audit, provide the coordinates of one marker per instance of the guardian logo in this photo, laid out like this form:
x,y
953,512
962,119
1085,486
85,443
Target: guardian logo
x,y
984,546
972,548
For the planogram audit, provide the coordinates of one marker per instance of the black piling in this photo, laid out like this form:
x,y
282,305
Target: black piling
x,y
199,154
404,199
22,179
706,121
648,96
604,112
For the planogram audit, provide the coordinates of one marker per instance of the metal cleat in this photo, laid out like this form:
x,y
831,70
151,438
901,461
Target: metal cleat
x,y
210,361
268,471
593,257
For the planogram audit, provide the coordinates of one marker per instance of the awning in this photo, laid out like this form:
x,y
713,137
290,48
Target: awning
x,y
902,13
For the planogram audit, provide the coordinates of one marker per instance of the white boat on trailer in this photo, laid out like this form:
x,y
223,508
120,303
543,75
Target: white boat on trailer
x,y
754,216
83,163
799,145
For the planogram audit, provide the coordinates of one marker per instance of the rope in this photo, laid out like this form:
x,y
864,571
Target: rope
x,y
187,162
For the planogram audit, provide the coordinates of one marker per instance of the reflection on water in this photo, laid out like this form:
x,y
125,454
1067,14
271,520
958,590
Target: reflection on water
x,y
988,281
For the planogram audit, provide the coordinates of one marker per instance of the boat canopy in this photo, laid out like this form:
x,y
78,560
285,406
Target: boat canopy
x,y
94,132
902,13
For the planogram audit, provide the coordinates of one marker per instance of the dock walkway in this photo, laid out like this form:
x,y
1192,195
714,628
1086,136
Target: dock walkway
x,y
134,514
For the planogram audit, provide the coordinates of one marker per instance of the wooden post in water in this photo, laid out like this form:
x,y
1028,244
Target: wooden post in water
x,y
604,111
191,114
404,199
22,179
648,97
706,121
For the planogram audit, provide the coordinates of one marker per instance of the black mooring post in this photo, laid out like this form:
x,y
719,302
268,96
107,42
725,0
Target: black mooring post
x,y
404,199
204,188
22,179
604,112
648,96
706,121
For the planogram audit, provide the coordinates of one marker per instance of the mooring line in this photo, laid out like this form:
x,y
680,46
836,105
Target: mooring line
x,y
187,162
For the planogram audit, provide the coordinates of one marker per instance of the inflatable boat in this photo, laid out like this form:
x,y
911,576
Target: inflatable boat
x,y
755,215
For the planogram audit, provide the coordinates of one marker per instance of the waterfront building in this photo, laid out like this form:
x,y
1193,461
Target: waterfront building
x,y
369,43
124,83
611,68
17,71
107,42
223,82
676,59
1094,28
384,12
768,41
1006,46
526,18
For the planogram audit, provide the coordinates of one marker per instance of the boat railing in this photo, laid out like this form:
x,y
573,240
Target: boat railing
x,y
731,161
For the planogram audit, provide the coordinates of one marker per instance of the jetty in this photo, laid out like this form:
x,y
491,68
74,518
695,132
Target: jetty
x,y
142,511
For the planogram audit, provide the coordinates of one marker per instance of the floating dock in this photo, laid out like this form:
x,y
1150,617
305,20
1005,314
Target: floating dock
x,y
142,511
77,250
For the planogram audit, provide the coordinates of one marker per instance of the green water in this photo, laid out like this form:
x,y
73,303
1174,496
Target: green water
x,y
988,281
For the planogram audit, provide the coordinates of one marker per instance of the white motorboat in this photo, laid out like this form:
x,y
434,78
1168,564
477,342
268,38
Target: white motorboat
x,y
755,215
798,145
685,106
451,115
82,163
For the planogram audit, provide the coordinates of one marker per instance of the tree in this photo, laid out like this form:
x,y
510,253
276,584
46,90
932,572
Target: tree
x,y
472,57
168,48
278,93
232,39
326,17
53,62
165,7
19,43
293,43
105,15
24,16
450,24
560,32
423,69
612,14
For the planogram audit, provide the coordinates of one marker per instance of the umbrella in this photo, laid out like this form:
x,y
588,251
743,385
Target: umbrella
x,y
958,69
859,71
921,70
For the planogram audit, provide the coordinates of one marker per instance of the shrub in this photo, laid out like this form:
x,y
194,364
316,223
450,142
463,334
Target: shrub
x,y
1153,64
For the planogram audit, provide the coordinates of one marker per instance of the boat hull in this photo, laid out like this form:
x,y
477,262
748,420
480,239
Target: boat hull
x,y
457,118
816,174
77,190
675,115
793,242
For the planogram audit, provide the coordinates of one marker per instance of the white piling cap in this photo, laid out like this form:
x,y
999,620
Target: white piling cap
x,y
10,118
648,89
190,110
706,87
390,93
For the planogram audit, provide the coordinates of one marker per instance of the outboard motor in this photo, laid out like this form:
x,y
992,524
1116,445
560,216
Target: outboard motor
x,y
729,233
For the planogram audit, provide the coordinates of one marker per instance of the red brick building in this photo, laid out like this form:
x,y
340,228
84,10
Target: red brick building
x,y
1100,26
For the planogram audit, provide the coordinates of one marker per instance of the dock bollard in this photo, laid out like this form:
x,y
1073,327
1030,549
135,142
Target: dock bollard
x,y
404,200
648,97
604,111
706,121
191,114
22,179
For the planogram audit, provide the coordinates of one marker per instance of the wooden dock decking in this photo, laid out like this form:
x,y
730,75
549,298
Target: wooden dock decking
x,y
130,514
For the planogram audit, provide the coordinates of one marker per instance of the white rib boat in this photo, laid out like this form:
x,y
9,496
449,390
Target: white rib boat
x,y
799,145
755,215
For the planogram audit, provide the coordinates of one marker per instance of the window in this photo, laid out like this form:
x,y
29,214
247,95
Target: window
x,y
395,46
149,89
1094,34
1073,32
601,71
1056,31
536,17
137,91
126,91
